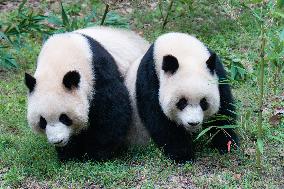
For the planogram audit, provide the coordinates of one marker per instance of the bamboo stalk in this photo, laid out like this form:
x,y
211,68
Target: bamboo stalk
x,y
105,13
161,10
167,15
260,97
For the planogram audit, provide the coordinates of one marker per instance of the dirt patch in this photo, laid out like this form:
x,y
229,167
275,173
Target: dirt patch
x,y
2,173
34,184
6,6
179,182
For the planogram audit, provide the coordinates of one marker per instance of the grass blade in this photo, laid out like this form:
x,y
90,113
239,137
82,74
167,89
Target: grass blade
x,y
22,5
64,16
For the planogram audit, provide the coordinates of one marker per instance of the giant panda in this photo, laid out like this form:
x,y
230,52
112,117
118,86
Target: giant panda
x,y
177,87
77,97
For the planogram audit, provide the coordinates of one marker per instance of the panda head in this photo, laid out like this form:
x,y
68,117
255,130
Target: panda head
x,y
188,92
58,103
58,114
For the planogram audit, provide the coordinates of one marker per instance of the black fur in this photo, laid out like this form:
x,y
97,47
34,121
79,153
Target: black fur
x,y
42,123
226,110
211,62
182,103
170,64
71,79
175,141
63,118
109,115
204,104
30,82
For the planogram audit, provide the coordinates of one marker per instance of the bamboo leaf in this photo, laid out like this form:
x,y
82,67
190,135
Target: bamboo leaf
x,y
233,72
203,132
64,16
228,126
280,3
7,61
12,62
260,145
74,24
279,139
276,13
282,35
253,1
55,20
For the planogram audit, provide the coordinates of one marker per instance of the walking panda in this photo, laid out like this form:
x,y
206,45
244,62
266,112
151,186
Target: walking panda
x,y
77,96
178,88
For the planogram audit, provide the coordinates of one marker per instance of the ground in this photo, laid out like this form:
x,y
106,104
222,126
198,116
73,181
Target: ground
x,y
228,27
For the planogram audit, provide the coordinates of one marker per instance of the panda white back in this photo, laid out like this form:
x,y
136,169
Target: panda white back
x,y
138,134
124,45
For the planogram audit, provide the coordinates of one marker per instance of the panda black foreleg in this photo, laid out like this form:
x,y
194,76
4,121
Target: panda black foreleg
x,y
176,143
73,150
179,151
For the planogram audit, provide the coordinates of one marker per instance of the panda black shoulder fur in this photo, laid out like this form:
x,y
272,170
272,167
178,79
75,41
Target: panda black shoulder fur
x,y
179,88
77,96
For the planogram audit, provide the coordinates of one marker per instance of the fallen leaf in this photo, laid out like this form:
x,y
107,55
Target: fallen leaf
x,y
279,111
275,119
277,115
237,176
250,151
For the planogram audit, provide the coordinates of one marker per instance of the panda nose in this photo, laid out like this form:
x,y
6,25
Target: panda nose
x,y
193,123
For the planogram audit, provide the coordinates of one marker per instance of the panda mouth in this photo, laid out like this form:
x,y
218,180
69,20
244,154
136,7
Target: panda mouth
x,y
60,143
56,143
191,128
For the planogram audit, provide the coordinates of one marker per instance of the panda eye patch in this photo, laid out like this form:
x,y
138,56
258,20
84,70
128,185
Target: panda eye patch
x,y
204,104
170,64
65,120
42,123
182,103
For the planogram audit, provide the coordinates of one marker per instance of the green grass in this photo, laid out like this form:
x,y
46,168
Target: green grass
x,y
27,160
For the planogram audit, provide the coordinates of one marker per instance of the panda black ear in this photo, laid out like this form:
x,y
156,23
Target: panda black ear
x,y
71,80
211,63
170,64
30,82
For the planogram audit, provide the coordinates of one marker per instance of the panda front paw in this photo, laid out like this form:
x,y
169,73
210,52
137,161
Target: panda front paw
x,y
180,155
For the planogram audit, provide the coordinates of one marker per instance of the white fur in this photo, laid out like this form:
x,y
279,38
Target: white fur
x,y
192,80
138,135
196,116
58,134
67,52
125,46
